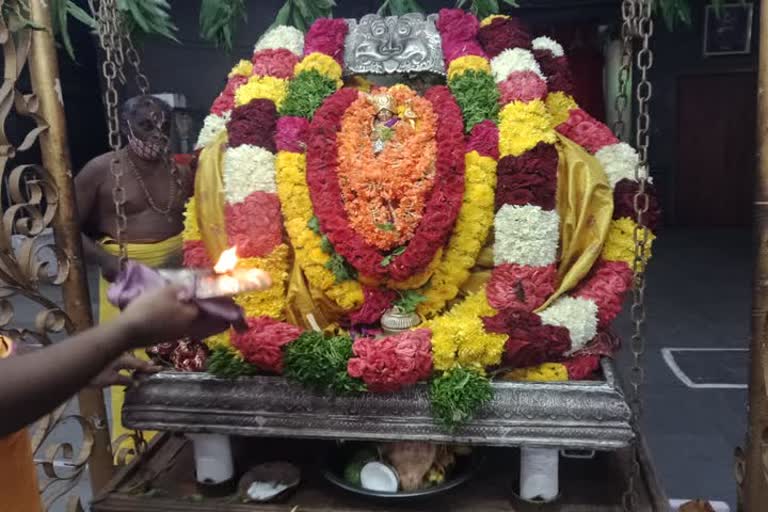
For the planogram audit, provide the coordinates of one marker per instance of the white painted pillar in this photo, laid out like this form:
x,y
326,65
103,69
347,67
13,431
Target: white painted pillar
x,y
539,474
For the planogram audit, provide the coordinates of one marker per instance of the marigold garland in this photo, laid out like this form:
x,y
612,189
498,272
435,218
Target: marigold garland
x,y
322,64
524,125
297,212
191,228
467,63
403,172
242,68
262,87
620,244
269,302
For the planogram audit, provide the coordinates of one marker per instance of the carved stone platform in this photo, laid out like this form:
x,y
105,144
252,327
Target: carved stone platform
x,y
568,415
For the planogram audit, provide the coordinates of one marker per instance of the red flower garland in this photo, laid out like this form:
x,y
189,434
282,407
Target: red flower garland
x,y
253,124
376,302
520,288
262,344
277,62
624,203
196,255
587,131
389,364
484,139
326,35
530,342
441,208
606,285
292,133
530,178
503,33
581,367
254,225
225,101
557,71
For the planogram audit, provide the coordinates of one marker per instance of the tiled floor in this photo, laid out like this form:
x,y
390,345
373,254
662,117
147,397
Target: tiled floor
x,y
698,296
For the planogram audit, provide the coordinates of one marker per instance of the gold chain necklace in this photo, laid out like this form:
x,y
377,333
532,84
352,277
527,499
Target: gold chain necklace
x,y
174,190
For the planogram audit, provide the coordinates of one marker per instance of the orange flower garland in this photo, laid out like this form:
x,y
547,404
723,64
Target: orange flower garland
x,y
384,194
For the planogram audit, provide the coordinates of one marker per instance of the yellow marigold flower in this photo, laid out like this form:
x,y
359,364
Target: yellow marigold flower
x,y
523,125
262,87
460,337
468,63
242,68
297,210
191,229
547,372
620,243
221,340
323,64
488,20
472,226
560,105
269,302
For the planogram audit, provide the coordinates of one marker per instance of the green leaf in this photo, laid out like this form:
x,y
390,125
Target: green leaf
x,y
340,268
81,15
386,227
314,225
228,364
409,300
320,362
457,395
398,251
326,246
283,15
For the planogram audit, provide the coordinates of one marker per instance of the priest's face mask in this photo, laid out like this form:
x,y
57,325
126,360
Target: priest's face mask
x,y
147,128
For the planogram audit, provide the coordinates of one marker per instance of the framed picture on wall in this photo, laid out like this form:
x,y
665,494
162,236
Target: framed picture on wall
x,y
728,30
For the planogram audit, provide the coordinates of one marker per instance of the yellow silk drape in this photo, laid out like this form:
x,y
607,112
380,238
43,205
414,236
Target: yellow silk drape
x,y
209,197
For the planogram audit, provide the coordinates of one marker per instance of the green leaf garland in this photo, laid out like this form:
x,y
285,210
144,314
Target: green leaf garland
x,y
477,95
306,93
228,364
319,362
457,395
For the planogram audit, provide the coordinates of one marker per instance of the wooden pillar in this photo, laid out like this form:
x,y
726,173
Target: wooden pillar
x,y
754,490
44,72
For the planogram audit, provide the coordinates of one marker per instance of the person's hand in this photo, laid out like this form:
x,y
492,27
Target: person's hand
x,y
110,267
166,314
111,375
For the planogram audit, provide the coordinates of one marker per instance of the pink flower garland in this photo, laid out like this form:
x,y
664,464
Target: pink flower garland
x,y
390,364
196,255
484,139
587,131
278,63
292,133
441,208
326,35
606,285
254,225
520,287
225,101
522,86
458,32
262,344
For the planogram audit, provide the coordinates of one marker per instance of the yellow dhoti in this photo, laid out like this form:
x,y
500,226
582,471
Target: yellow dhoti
x,y
166,253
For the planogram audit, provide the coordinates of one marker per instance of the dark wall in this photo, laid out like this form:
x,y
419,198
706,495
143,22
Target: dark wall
x,y
679,54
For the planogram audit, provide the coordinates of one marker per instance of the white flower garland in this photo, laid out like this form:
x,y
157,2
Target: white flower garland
x,y
212,127
526,235
578,315
546,43
619,161
282,36
248,169
516,59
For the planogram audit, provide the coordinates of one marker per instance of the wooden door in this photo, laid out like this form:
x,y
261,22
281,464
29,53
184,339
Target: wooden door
x,y
716,149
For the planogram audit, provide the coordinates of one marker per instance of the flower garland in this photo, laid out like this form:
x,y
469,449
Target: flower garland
x,y
403,171
441,209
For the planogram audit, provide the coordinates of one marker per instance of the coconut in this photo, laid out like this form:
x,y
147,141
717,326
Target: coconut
x,y
380,477
268,482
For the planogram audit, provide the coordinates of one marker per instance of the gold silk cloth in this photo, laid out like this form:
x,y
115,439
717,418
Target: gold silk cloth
x,y
584,203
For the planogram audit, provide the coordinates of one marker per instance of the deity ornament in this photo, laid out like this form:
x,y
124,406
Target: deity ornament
x,y
383,125
395,321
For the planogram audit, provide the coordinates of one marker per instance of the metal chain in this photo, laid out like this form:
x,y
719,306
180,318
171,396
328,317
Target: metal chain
x,y
638,23
134,60
111,42
625,69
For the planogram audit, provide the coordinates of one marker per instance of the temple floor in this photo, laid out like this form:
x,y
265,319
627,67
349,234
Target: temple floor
x,y
699,296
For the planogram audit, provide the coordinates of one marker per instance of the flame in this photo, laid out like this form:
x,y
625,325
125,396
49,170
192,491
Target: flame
x,y
227,261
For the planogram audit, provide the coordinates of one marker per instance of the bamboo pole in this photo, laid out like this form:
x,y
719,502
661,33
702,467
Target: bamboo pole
x,y
754,490
44,72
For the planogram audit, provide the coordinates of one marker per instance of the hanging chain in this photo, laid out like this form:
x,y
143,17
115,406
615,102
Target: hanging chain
x,y
135,61
625,69
112,43
637,23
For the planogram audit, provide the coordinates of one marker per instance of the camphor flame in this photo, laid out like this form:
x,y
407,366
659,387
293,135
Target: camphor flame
x,y
227,261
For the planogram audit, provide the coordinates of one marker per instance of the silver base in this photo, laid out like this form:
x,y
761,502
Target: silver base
x,y
569,415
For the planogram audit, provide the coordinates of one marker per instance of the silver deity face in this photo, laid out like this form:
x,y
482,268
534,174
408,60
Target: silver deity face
x,y
395,44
